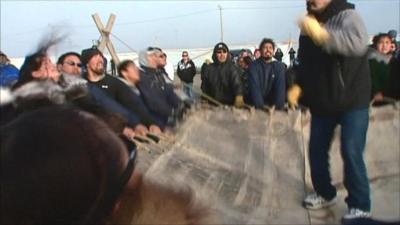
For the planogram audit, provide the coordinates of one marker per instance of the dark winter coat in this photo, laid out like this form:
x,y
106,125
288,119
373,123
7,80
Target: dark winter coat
x,y
69,91
222,81
122,94
335,78
113,106
158,95
393,88
267,84
186,71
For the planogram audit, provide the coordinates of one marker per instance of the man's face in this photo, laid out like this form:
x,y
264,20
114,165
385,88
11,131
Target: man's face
x,y
71,65
162,60
317,6
185,56
96,65
267,51
154,60
222,55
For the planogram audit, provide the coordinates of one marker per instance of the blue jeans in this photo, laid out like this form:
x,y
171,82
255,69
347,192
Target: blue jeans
x,y
187,89
354,126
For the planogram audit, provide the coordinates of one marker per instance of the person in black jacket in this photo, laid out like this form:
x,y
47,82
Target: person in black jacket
x,y
70,64
93,59
221,79
267,78
186,70
334,78
244,63
158,95
129,73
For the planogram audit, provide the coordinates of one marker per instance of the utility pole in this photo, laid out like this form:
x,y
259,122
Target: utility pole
x,y
220,22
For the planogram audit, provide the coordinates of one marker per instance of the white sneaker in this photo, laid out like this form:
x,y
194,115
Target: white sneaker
x,y
354,213
315,201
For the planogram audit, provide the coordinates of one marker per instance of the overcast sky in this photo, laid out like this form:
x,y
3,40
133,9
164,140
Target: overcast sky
x,y
168,24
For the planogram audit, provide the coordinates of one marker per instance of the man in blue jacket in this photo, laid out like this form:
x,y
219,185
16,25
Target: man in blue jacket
x,y
157,94
267,78
9,74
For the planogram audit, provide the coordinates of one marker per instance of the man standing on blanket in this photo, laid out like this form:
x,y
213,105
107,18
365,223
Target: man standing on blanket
x,y
334,81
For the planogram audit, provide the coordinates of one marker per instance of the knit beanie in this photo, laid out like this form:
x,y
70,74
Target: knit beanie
x,y
220,46
87,54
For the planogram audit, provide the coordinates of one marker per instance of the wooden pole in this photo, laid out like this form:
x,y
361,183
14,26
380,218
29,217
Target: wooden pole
x,y
105,36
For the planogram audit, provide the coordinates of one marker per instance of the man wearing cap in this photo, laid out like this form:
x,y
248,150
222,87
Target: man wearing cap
x,y
221,79
267,78
158,95
93,60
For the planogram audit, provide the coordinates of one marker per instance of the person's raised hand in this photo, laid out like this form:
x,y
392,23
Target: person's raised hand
x,y
312,28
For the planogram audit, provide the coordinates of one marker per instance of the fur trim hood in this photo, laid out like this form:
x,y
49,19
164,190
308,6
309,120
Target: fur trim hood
x,y
39,93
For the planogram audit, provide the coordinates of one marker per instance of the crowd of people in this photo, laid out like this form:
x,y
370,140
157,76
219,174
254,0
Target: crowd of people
x,y
75,105
79,179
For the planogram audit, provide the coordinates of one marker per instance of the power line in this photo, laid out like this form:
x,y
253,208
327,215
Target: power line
x,y
189,14
166,18
123,42
202,12
171,17
264,8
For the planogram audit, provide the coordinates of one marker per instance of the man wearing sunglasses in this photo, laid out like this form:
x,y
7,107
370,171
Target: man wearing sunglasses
x,y
158,95
186,71
70,63
221,79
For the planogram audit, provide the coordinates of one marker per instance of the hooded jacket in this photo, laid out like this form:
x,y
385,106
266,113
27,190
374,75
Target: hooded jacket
x,y
70,91
186,71
222,81
335,77
159,96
